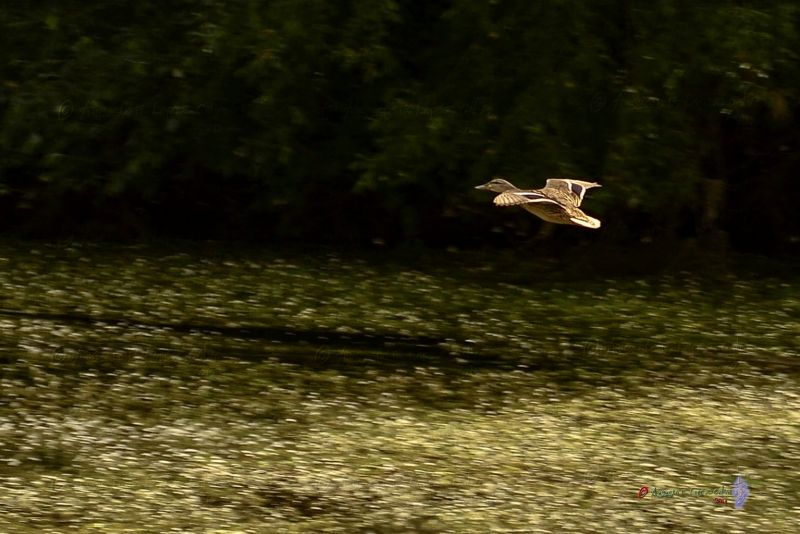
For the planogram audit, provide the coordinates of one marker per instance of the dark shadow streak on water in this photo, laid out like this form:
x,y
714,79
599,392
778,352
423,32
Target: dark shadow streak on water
x,y
357,352
319,348
279,335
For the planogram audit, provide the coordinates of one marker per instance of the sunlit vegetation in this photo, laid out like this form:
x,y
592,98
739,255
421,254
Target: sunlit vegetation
x,y
144,391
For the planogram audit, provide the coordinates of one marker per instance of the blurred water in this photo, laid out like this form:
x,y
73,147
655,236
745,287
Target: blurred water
x,y
145,390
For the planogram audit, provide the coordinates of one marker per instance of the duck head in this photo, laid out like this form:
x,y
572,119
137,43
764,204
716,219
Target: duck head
x,y
497,185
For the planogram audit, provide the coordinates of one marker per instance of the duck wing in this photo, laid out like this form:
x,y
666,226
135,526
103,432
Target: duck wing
x,y
515,198
576,216
572,190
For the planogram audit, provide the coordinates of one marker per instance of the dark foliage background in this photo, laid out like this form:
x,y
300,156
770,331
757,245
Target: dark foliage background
x,y
350,121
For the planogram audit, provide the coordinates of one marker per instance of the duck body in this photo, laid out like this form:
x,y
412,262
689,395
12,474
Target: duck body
x,y
557,202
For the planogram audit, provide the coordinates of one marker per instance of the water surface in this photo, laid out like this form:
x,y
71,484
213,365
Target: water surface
x,y
230,390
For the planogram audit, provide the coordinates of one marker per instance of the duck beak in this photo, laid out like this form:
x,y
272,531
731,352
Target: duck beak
x,y
481,186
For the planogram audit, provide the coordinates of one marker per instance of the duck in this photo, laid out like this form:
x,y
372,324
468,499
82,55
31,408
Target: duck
x,y
557,202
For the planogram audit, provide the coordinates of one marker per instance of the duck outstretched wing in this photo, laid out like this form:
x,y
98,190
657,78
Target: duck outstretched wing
x,y
515,198
581,219
574,189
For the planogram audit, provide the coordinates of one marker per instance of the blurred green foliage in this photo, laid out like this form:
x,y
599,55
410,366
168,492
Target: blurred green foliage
x,y
348,121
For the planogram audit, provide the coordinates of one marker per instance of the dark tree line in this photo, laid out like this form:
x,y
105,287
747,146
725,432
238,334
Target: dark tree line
x,y
347,121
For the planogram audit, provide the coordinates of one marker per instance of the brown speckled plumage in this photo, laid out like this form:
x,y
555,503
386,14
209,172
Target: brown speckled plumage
x,y
557,202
